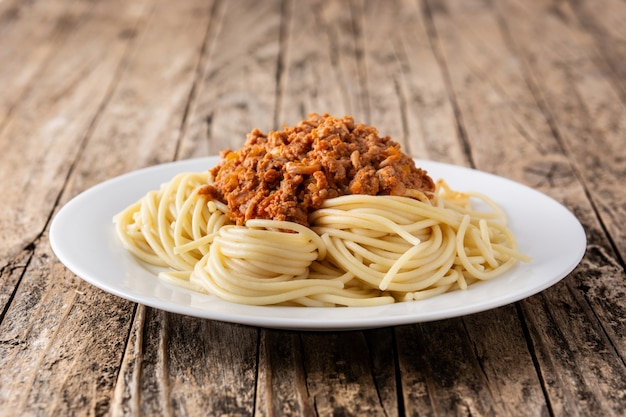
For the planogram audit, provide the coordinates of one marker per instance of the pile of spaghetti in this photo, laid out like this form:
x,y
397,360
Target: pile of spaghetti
x,y
323,213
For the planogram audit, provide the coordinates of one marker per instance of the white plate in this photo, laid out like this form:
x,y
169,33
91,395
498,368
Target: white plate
x,y
83,237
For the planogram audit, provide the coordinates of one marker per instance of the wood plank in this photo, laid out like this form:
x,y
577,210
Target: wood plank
x,y
581,369
49,124
179,365
147,123
382,348
29,34
584,102
484,76
441,375
343,35
53,355
339,376
134,391
237,87
605,21
408,97
212,367
500,345
471,366
506,131
478,365
586,113
72,370
310,81
281,381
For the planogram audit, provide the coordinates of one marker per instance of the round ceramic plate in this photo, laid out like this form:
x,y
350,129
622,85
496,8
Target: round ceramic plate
x,y
82,236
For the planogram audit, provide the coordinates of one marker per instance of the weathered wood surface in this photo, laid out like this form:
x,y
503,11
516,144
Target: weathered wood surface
x,y
533,91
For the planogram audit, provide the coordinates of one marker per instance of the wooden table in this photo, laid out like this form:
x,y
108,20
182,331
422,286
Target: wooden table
x,y
534,91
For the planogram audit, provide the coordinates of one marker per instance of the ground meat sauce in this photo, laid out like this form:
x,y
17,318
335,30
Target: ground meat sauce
x,y
287,174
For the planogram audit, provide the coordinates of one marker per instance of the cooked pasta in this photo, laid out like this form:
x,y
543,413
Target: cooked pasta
x,y
359,250
323,213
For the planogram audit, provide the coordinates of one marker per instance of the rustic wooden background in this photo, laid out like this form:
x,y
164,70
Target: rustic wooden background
x,y
531,90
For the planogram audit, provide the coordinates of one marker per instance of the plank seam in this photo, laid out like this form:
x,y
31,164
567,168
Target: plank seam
x,y
433,40
205,55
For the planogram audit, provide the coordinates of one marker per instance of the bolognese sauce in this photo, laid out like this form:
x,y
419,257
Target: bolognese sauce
x,y
287,174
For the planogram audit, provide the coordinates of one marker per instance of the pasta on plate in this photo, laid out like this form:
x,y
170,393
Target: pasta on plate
x,y
347,220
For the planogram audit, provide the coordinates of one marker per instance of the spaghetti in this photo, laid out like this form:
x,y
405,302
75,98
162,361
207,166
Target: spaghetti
x,y
323,213
359,250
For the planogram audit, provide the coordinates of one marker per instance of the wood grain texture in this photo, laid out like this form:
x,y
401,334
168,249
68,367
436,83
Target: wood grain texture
x,y
583,102
511,88
533,91
309,78
339,376
583,99
282,379
51,122
237,84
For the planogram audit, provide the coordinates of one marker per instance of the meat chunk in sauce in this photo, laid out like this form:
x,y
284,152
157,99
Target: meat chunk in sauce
x,y
287,174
